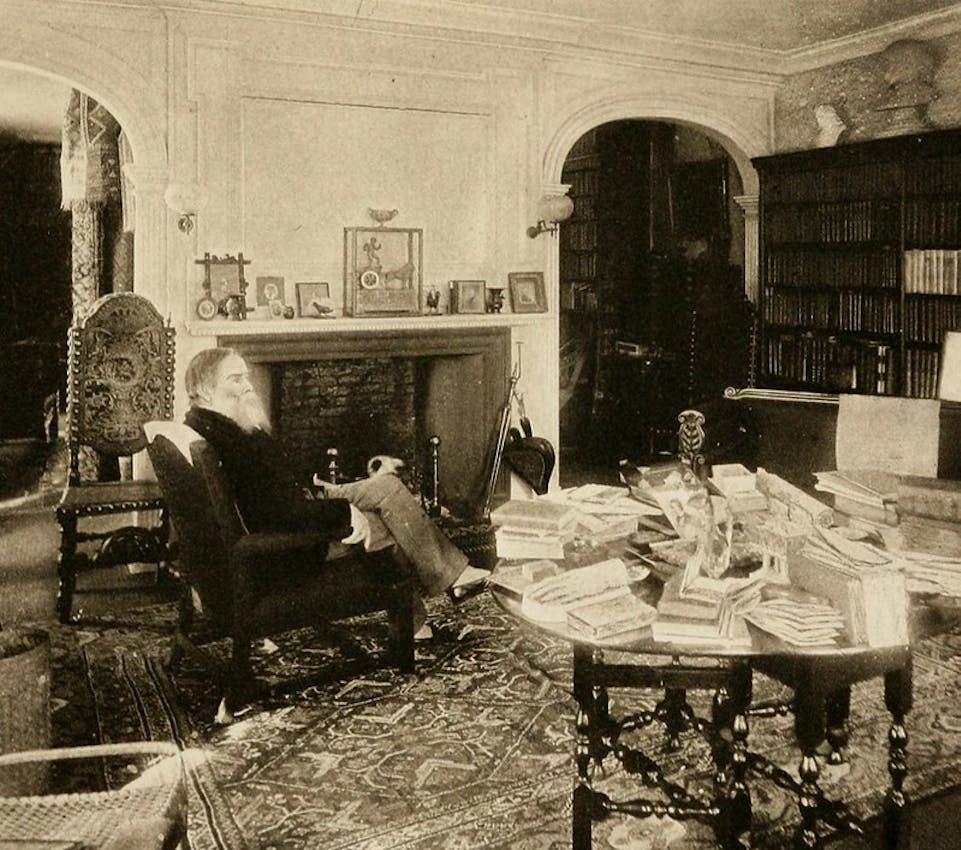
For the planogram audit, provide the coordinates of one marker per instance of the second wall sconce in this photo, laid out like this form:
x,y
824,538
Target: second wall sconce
x,y
187,199
551,210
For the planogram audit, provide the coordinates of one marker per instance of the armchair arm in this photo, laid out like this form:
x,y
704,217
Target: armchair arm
x,y
251,548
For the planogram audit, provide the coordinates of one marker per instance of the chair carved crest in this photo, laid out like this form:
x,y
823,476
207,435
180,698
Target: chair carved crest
x,y
120,375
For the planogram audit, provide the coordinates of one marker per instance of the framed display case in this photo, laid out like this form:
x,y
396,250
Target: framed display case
x,y
382,270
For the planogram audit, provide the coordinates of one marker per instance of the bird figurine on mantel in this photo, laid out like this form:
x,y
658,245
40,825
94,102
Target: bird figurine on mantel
x,y
381,216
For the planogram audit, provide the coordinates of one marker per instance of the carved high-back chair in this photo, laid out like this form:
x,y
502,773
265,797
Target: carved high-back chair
x,y
121,375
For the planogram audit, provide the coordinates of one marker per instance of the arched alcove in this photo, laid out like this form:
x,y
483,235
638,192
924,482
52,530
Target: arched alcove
x,y
138,104
739,142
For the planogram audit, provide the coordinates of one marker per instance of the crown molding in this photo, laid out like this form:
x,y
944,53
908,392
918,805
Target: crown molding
x,y
929,25
549,32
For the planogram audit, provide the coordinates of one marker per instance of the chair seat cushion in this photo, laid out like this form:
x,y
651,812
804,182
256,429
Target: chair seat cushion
x,y
110,497
351,585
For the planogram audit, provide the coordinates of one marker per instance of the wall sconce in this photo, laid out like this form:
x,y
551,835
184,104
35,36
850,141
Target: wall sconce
x,y
551,210
187,199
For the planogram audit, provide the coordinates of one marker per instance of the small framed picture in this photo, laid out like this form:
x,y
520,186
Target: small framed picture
x,y
313,300
527,292
270,288
468,296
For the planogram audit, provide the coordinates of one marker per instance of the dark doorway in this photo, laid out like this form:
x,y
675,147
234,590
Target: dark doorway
x,y
653,313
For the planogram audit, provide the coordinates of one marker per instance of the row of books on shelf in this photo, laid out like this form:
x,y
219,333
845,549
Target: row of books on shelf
x,y
932,271
931,175
796,267
577,265
833,310
850,221
830,184
579,235
920,377
932,221
826,361
583,181
926,319
579,296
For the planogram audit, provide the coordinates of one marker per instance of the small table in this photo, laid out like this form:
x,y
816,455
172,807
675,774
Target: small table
x,y
821,679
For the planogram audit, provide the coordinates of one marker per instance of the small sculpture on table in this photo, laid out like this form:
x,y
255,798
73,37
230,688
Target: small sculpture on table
x,y
495,299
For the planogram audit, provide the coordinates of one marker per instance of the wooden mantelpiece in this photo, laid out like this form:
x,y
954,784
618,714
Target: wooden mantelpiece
x,y
466,384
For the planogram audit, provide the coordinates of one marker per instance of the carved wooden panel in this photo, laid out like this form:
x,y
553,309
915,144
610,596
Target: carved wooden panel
x,y
121,374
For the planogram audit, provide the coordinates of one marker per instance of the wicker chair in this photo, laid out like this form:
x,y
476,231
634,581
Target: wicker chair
x,y
149,813
121,374
254,585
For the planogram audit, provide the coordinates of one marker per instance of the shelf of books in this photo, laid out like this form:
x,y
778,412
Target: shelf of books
x,y
860,254
578,235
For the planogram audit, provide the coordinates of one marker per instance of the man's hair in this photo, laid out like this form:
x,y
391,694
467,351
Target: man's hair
x,y
202,370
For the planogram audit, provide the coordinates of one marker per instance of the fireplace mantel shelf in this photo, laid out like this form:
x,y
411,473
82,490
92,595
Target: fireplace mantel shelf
x,y
286,327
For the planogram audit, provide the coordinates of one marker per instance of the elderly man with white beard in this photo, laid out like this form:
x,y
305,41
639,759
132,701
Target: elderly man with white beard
x,y
378,511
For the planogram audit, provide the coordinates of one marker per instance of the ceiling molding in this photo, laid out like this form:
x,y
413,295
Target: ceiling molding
x,y
928,25
549,32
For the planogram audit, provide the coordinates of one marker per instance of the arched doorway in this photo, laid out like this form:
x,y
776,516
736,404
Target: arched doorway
x,y
652,279
36,288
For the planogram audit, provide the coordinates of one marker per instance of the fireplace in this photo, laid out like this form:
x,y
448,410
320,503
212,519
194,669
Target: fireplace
x,y
369,392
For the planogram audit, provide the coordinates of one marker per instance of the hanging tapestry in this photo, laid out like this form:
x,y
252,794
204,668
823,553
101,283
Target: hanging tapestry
x,y
89,155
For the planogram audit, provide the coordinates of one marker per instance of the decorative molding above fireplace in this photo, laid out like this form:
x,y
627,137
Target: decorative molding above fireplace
x,y
340,325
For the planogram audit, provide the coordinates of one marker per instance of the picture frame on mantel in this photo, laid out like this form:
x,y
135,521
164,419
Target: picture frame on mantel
x,y
527,292
383,271
468,296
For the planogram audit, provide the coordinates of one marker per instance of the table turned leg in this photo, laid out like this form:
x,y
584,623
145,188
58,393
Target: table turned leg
x,y
66,565
809,728
837,709
897,812
584,748
729,714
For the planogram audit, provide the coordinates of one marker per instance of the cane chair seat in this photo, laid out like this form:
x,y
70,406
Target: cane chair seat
x,y
150,812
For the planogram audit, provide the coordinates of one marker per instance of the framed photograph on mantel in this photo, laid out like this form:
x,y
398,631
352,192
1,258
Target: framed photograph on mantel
x,y
382,271
527,292
468,296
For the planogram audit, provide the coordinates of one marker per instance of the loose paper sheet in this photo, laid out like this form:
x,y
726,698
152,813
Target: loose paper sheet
x,y
898,435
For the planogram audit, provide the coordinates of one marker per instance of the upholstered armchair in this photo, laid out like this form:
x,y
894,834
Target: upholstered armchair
x,y
253,585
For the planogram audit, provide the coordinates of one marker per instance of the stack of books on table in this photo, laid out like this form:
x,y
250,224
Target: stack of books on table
x,y
595,600
930,511
705,612
865,584
605,512
738,485
533,528
865,493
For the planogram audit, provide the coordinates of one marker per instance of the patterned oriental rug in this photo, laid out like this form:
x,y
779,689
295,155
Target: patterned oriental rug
x,y
475,750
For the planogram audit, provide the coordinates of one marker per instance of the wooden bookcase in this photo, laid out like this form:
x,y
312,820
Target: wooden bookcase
x,y
860,255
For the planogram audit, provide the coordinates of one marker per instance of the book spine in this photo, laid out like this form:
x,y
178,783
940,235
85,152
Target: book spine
x,y
929,502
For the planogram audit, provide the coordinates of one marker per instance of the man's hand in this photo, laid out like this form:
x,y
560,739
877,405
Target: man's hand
x,y
359,529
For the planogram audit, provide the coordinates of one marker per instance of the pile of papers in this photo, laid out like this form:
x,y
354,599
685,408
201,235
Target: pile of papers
x,y
605,512
932,574
807,624
595,600
864,493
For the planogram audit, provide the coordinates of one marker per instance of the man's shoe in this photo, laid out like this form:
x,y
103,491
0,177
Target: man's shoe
x,y
469,583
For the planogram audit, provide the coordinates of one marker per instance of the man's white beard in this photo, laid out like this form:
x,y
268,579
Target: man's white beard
x,y
251,414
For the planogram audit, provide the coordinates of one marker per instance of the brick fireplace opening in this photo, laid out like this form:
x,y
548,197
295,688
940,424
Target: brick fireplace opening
x,y
368,393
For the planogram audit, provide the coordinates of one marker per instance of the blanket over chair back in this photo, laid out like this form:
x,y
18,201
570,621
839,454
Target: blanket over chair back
x,y
202,509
